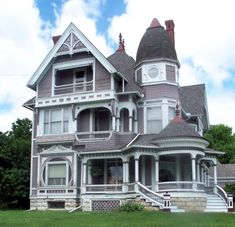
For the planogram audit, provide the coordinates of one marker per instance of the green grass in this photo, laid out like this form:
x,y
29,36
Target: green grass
x,y
112,219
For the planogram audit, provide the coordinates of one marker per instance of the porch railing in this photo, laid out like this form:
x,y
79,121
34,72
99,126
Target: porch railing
x,y
58,190
73,88
181,186
95,188
97,135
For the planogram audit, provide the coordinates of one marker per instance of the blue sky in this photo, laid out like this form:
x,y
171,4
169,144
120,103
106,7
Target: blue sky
x,y
204,43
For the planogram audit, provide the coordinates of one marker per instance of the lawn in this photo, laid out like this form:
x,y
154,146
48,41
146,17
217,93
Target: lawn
x,y
112,219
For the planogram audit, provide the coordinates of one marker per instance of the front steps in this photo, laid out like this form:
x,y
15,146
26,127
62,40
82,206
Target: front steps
x,y
215,204
149,205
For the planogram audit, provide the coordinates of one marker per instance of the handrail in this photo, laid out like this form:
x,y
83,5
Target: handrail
x,y
149,194
222,193
73,84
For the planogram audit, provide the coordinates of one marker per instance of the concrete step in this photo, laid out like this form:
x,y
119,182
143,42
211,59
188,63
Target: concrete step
x,y
216,210
215,204
175,209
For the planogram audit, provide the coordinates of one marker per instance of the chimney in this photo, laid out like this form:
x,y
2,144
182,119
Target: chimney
x,y
170,30
56,38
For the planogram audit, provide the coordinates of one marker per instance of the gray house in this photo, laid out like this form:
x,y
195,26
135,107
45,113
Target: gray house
x,y
111,130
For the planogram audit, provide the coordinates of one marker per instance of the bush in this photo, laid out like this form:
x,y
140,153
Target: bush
x,y
131,207
230,188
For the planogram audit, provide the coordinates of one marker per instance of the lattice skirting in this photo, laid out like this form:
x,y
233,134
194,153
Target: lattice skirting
x,y
104,205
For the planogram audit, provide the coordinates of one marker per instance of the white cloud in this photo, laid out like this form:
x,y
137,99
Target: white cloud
x,y
84,15
22,45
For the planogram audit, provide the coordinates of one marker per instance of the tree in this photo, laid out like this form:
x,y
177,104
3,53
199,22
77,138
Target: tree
x,y
15,147
222,138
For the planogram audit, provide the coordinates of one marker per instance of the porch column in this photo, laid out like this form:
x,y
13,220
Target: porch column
x,y
194,172
177,168
130,123
142,164
198,171
202,175
125,176
156,173
113,123
84,175
205,180
75,169
215,178
136,169
118,124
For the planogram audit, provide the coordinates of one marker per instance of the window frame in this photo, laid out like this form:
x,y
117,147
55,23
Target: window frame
x,y
62,121
66,174
156,119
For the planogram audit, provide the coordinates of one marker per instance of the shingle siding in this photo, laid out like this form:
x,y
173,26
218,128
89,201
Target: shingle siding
x,y
161,91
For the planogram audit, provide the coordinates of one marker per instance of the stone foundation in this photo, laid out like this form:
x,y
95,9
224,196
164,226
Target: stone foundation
x,y
42,204
190,203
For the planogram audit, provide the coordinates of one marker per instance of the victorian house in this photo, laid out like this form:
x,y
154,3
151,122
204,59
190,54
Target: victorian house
x,y
111,130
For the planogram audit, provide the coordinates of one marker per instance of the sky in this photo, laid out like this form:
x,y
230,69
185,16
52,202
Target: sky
x,y
204,36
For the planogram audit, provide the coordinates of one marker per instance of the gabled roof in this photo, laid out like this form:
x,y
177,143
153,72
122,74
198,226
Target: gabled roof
x,y
49,58
30,104
125,64
193,101
178,128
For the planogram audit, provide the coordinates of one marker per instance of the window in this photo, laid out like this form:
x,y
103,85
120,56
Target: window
x,y
170,73
79,80
56,121
56,174
154,119
171,113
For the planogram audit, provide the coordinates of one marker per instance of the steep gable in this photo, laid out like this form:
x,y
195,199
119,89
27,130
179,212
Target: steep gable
x,y
71,41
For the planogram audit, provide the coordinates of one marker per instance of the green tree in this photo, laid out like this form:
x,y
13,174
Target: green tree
x,y
222,138
15,165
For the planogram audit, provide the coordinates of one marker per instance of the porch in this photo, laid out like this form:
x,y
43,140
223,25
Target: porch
x,y
165,173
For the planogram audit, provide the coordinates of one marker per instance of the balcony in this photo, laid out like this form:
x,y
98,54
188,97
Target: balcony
x,y
94,136
73,88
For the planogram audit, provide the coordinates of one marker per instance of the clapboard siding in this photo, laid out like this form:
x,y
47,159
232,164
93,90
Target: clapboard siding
x,y
102,78
44,86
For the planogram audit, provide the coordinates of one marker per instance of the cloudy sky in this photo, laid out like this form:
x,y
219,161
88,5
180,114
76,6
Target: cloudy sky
x,y
204,31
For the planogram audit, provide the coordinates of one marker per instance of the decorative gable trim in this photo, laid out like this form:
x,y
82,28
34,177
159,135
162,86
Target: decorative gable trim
x,y
68,39
55,149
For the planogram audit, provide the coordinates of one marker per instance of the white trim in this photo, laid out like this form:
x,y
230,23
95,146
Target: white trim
x,y
74,63
57,163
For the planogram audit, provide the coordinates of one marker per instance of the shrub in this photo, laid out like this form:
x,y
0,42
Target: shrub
x,y
131,207
230,188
